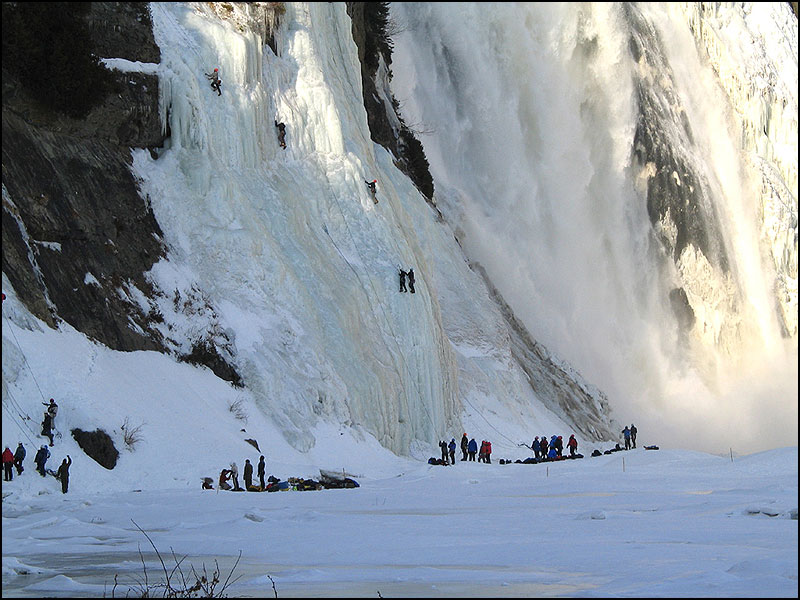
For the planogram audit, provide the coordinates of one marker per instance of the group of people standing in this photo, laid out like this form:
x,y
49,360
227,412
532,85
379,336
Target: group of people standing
x,y
469,448
554,448
229,478
15,459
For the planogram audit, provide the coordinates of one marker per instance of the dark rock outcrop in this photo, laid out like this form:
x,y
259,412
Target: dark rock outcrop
x,y
370,22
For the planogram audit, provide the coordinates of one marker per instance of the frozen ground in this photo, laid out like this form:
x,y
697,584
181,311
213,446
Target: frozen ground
x,y
666,523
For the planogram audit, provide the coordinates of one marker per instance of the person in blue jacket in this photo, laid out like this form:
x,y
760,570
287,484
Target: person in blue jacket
x,y
552,453
472,448
627,433
452,448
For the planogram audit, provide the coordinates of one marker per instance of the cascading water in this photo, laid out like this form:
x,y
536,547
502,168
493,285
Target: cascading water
x,y
588,158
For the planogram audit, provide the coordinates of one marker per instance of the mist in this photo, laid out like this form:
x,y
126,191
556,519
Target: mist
x,y
530,112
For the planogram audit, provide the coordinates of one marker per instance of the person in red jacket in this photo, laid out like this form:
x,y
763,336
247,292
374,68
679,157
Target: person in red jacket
x,y
572,444
8,462
489,452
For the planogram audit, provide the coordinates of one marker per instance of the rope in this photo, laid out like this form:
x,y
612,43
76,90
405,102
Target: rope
x,y
24,358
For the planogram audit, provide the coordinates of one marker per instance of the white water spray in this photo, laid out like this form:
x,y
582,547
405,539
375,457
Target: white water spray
x,y
534,111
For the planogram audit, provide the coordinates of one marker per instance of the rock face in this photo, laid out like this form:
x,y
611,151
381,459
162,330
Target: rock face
x,y
75,229
370,24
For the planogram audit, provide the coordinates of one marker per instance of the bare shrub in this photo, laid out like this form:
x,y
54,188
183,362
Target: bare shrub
x,y
236,407
175,582
131,434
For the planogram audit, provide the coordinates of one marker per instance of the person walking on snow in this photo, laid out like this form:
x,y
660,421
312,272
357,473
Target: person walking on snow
x,y
464,447
215,81
411,280
63,473
41,458
19,456
8,463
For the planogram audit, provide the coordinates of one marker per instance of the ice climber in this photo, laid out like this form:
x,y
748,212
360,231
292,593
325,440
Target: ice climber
x,y
215,81
281,134
403,280
372,189
411,280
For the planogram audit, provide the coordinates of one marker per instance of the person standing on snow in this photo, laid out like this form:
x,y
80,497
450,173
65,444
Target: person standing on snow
x,y
559,446
8,463
452,448
472,448
411,280
402,280
262,469
19,456
248,475
443,448
633,434
41,458
63,474
572,444
627,433
536,447
235,477
488,456
543,445
464,447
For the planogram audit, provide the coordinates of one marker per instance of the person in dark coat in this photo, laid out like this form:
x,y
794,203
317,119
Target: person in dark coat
x,y
41,458
443,448
8,464
543,446
19,456
464,447
402,280
633,434
224,477
559,446
248,475
627,433
262,469
411,280
47,427
452,448
536,447
482,452
472,449
63,474
281,134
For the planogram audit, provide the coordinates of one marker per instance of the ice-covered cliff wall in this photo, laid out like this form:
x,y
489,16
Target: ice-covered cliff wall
x,y
283,259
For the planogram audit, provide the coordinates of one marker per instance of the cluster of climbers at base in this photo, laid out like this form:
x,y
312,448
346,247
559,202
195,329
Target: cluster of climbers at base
x,y
14,461
544,450
229,480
